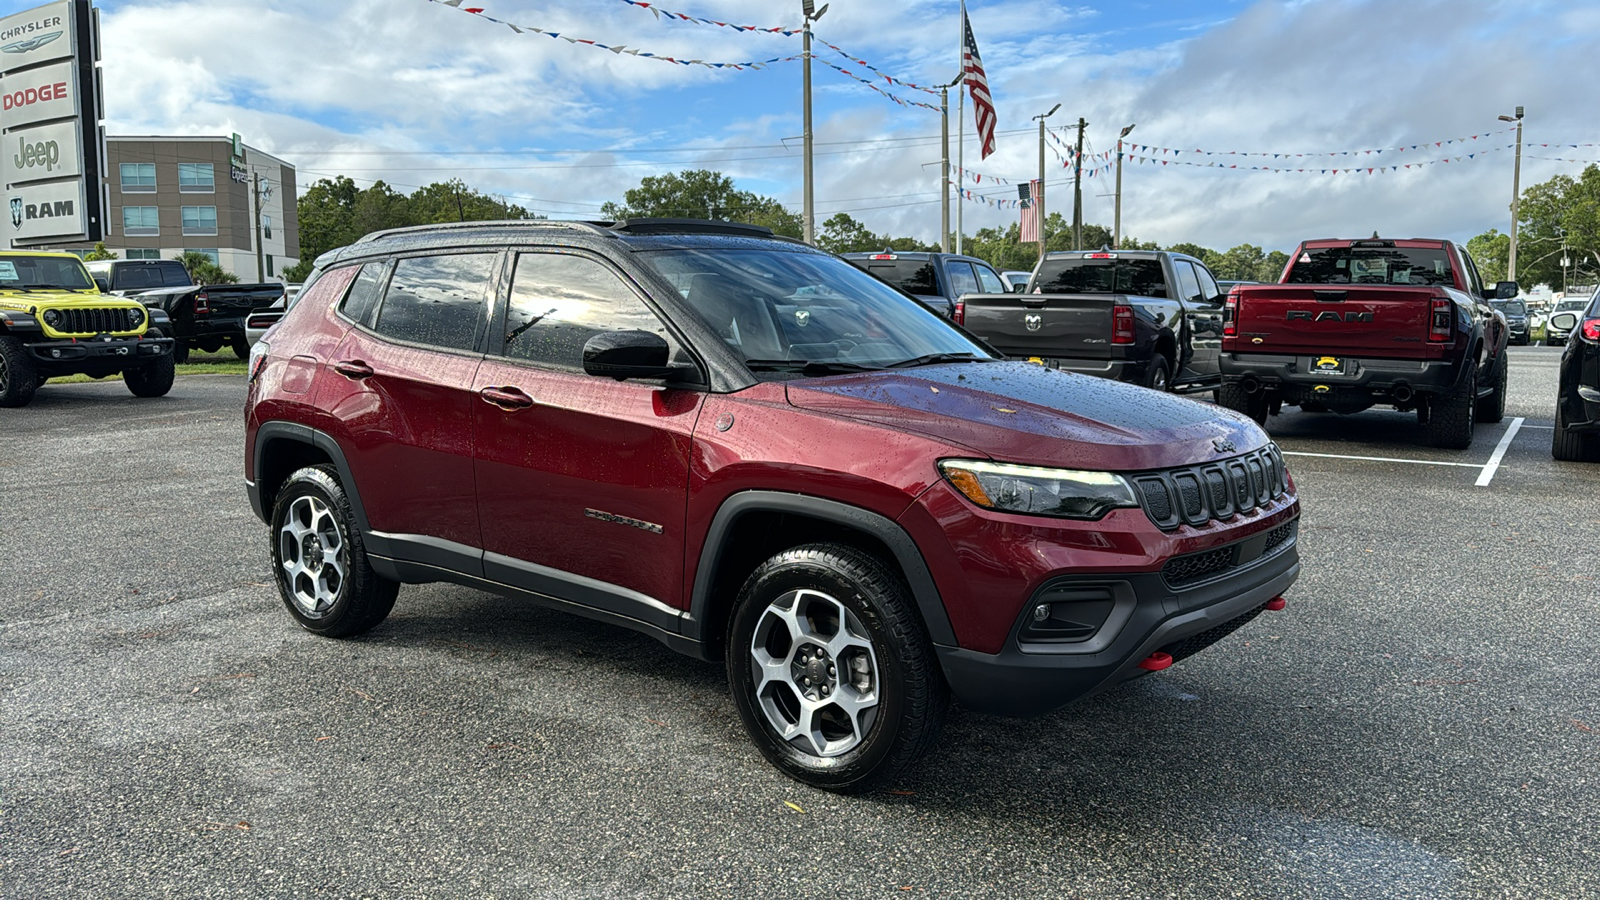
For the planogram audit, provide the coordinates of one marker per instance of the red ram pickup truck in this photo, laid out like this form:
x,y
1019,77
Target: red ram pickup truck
x,y
1354,324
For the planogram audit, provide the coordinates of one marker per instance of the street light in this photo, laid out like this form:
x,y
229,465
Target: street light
x,y
809,203
1116,225
1038,198
1516,194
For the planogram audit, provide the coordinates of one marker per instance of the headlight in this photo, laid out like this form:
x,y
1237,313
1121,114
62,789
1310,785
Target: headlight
x,y
52,317
1063,493
135,317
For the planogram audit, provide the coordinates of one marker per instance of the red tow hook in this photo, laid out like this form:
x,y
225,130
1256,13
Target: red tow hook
x,y
1156,661
1276,604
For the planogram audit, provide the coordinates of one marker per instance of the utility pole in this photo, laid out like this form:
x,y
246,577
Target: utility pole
x,y
1116,225
1516,194
944,163
1077,190
1038,199
259,194
809,204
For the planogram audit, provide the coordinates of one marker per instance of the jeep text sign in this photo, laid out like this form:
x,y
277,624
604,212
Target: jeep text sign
x,y
40,154
44,211
39,95
42,34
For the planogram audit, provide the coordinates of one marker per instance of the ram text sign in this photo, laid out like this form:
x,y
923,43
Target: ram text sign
x,y
43,211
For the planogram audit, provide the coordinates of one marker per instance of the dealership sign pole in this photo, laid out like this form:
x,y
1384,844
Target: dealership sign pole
x,y
52,150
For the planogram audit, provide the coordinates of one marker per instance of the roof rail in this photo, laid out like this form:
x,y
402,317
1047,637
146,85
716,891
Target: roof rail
x,y
685,226
597,227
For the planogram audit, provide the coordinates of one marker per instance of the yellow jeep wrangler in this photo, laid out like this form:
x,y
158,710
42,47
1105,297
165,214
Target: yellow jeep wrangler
x,y
54,321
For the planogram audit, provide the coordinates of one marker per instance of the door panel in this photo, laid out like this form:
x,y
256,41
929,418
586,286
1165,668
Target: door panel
x,y
1205,327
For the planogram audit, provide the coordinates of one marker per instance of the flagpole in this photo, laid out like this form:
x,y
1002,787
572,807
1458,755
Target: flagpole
x,y
961,123
944,168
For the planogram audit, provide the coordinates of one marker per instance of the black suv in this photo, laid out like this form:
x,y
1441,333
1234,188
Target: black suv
x,y
937,279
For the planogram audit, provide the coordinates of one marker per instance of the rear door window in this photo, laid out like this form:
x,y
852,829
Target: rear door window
x,y
989,281
561,300
962,281
437,300
1140,277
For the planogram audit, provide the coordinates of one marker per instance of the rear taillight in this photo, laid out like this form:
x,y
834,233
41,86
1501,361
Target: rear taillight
x,y
202,305
1439,321
1230,314
258,359
960,314
1121,324
1591,329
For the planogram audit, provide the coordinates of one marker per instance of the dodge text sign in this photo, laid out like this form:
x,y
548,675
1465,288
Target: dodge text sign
x,y
39,95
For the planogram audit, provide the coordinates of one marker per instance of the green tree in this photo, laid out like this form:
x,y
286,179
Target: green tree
x,y
1240,263
203,271
1561,212
843,234
453,201
703,194
299,272
98,253
1491,251
1271,269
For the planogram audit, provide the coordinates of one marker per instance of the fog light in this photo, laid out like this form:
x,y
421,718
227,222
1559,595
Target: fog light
x,y
55,354
1041,612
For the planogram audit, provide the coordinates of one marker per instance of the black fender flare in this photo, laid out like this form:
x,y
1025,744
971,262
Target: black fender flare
x,y
270,432
923,589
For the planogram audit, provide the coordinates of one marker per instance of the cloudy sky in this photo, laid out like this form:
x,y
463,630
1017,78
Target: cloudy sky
x,y
413,91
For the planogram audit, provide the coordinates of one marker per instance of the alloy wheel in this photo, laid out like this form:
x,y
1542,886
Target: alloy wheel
x,y
816,675
312,551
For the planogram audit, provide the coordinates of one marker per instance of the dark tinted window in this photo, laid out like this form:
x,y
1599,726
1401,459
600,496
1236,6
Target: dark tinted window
x,y
1188,281
1372,265
437,300
914,276
560,301
962,281
989,281
1512,307
364,294
167,273
1209,290
1141,277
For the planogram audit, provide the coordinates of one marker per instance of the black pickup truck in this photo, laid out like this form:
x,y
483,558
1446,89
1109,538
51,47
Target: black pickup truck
x,y
204,316
1149,317
936,279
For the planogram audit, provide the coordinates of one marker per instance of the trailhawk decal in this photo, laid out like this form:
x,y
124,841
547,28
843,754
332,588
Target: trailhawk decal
x,y
623,520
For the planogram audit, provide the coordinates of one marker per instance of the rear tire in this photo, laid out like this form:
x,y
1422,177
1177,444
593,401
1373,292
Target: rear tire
x,y
845,620
319,561
1492,409
241,347
1573,446
1451,416
1158,377
1232,396
18,376
152,379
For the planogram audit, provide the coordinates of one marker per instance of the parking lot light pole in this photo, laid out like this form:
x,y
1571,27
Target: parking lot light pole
x,y
808,216
1516,194
1116,224
1038,200
944,163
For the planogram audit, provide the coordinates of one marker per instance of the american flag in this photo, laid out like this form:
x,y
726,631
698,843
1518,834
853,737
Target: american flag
x,y
1030,212
978,84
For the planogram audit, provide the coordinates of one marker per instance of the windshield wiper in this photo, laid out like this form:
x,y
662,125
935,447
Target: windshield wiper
x,y
15,287
931,359
57,287
807,366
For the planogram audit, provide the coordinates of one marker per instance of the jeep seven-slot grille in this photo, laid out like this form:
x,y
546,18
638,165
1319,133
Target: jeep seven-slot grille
x,y
96,320
1201,494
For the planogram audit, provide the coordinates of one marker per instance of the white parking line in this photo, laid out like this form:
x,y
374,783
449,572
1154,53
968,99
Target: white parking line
x,y
1493,464
1419,462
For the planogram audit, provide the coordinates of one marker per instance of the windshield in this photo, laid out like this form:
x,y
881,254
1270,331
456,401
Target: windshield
x,y
1571,304
23,273
166,273
914,276
1512,307
784,309
1140,277
1372,265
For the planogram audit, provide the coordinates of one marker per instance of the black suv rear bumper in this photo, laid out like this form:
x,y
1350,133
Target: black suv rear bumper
x,y
1295,374
1033,679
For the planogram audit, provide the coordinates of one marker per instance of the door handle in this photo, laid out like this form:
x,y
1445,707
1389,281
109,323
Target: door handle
x,y
507,398
353,369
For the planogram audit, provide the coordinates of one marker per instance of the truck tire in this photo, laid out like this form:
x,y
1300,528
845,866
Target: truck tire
x,y
319,560
152,379
1451,416
18,378
180,351
831,669
1572,446
1492,408
210,345
1158,376
241,346
1232,396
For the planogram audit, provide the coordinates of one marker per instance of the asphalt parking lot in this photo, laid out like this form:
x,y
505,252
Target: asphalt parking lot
x,y
1422,721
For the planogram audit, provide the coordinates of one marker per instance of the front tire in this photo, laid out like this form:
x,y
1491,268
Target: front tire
x,y
831,669
324,576
241,346
152,379
18,376
1232,396
1492,409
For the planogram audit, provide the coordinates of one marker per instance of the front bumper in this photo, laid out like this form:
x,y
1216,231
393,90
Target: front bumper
x,y
1297,375
1027,679
53,357
1129,370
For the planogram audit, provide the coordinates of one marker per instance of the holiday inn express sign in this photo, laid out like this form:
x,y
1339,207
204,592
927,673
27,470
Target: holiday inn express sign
x,y
52,150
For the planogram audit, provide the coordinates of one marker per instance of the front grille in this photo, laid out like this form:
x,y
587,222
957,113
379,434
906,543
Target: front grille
x,y
1277,536
96,320
1199,495
1187,569
1189,646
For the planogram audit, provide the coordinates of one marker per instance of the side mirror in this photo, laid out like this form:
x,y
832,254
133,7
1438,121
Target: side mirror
x,y
103,283
1564,321
1020,288
627,354
1505,290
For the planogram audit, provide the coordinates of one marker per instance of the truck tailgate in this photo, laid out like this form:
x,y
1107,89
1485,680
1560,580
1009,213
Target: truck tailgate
x,y
1386,321
1044,325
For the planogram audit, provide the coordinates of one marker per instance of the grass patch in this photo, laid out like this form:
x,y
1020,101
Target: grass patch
x,y
224,363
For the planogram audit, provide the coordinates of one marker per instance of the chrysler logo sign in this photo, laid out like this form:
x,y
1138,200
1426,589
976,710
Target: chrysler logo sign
x,y
33,43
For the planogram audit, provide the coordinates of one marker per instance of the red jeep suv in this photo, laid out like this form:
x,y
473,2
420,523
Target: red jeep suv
x,y
754,452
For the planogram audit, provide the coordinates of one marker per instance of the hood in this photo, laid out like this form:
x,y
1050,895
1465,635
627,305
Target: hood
x,y
1024,413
